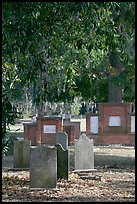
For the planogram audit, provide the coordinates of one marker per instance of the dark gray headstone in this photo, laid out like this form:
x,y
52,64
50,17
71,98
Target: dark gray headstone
x,y
43,167
62,138
21,155
62,162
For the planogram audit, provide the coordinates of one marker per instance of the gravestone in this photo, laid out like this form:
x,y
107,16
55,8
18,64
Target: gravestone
x,y
43,167
21,154
62,162
62,138
83,153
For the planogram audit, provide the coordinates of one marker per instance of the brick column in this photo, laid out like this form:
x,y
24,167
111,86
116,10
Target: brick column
x,y
38,131
26,131
128,110
88,123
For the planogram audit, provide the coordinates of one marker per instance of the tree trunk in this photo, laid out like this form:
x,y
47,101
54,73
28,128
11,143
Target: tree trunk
x,y
115,88
115,92
41,109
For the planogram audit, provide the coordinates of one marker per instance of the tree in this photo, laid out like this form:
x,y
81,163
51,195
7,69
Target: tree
x,y
59,50
11,92
66,39
124,21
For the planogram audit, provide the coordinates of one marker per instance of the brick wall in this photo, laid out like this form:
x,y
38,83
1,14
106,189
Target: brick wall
x,y
35,131
112,134
125,139
49,138
107,110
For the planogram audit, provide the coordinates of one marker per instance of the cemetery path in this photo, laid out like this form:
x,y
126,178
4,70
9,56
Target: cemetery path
x,y
110,183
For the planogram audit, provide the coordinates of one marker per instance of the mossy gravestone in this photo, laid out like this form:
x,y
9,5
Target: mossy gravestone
x,y
21,154
43,167
62,162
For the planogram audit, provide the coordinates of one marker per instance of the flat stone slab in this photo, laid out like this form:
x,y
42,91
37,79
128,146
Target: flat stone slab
x,y
18,169
84,170
42,189
92,177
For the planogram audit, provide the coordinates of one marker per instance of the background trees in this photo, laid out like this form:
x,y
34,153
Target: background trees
x,y
60,50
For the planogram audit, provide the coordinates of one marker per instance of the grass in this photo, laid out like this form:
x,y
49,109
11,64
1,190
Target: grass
x,y
16,128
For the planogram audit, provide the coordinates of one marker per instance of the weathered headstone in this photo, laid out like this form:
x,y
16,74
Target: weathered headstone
x,y
83,153
43,167
62,138
62,162
21,154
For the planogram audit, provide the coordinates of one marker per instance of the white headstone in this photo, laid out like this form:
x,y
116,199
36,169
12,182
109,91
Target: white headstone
x,y
94,124
132,124
83,153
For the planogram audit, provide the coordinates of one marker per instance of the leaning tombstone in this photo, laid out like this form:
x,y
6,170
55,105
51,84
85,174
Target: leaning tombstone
x,y
62,138
62,162
21,153
43,167
83,153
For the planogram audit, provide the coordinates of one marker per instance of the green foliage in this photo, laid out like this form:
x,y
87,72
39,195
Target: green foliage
x,y
63,39
11,91
9,114
60,50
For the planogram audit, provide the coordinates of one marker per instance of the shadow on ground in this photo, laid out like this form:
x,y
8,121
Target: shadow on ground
x,y
113,160
107,160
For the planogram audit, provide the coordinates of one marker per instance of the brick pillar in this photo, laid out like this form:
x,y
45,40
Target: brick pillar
x,y
38,132
128,110
88,123
26,131
100,118
59,125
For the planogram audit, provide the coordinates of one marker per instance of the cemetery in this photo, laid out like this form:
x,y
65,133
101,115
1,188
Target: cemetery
x,y
56,154
113,124
57,179
68,102
50,161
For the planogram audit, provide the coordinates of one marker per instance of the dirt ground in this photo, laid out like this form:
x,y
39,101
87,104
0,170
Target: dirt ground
x,y
113,180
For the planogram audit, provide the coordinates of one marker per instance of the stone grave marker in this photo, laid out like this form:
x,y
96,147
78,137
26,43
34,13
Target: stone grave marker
x,y
62,162
62,138
83,153
43,167
21,153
